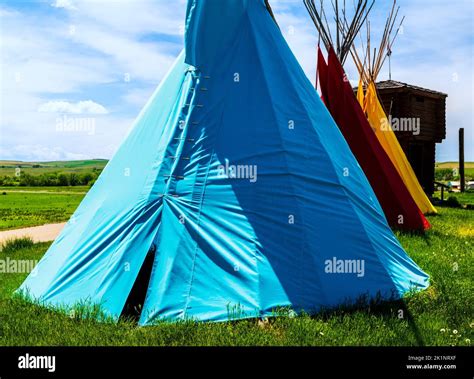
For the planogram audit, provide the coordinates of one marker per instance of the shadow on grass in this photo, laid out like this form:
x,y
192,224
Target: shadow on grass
x,y
395,307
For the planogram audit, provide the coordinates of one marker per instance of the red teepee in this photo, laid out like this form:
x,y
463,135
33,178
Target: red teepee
x,y
399,207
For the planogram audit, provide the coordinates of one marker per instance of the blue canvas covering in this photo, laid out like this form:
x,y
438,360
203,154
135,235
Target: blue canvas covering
x,y
238,175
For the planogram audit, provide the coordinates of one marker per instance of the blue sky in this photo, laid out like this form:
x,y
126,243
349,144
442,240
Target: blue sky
x,y
100,60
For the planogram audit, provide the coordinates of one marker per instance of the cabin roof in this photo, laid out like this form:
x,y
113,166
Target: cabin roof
x,y
393,84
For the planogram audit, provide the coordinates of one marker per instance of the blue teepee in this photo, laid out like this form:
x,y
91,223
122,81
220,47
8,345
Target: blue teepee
x,y
239,182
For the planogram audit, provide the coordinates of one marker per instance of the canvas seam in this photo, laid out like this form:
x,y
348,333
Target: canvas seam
x,y
282,141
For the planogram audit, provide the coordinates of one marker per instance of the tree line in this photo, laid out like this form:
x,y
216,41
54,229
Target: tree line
x,y
51,179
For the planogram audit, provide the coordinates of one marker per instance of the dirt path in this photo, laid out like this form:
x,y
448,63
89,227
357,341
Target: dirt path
x,y
43,233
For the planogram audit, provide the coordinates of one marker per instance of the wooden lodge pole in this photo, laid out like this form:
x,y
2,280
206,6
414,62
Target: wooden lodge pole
x,y
461,159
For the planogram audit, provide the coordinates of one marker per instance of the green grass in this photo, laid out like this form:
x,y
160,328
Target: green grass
x,y
429,318
52,189
463,198
18,210
468,167
13,245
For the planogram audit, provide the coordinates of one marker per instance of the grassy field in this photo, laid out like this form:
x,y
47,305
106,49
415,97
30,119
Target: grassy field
x,y
441,315
38,168
49,189
33,207
468,167
463,198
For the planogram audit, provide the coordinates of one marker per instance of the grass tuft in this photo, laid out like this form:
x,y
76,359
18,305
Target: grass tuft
x,y
15,244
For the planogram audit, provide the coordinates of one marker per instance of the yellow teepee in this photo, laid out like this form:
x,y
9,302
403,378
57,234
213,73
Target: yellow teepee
x,y
378,120
381,126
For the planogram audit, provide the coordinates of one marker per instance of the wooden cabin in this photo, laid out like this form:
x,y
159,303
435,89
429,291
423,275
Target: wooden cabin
x,y
418,118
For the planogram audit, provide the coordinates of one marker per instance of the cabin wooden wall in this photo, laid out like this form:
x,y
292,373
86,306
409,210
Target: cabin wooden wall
x,y
420,149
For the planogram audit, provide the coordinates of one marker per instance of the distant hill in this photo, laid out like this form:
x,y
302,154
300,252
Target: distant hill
x,y
454,165
38,168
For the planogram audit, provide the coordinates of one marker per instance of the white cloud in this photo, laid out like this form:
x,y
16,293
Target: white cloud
x,y
300,34
39,153
141,60
44,58
7,13
81,107
38,58
133,17
66,4
139,97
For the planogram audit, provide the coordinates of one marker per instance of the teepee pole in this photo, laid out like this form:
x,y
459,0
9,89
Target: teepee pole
x,y
270,10
345,32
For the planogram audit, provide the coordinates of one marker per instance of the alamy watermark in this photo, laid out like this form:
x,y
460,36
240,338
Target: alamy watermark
x,y
238,171
401,124
34,362
70,124
15,266
345,266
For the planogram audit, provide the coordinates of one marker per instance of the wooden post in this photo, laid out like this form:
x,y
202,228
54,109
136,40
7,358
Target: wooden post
x,y
461,159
